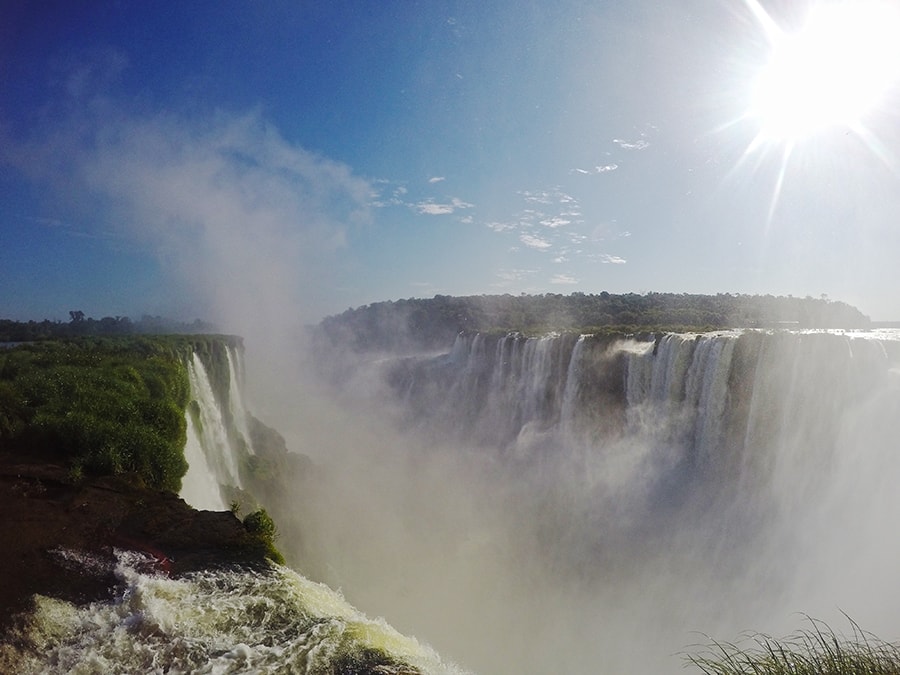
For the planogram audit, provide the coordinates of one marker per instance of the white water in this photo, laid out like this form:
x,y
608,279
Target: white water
x,y
236,397
199,487
213,622
214,446
606,503
557,505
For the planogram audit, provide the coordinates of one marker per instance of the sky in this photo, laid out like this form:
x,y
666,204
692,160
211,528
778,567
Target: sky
x,y
237,161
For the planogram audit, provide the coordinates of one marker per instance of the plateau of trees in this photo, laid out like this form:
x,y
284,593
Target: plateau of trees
x,y
434,321
80,325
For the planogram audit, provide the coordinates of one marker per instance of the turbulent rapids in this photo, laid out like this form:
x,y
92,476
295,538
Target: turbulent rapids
x,y
221,621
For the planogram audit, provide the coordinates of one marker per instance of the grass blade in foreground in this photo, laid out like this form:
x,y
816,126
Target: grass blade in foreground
x,y
817,650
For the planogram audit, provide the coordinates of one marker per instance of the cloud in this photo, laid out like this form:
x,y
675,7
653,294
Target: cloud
x,y
242,221
396,197
606,258
508,277
639,144
436,179
606,168
555,222
563,279
536,243
429,207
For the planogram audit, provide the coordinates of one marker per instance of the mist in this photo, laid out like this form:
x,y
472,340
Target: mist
x,y
549,553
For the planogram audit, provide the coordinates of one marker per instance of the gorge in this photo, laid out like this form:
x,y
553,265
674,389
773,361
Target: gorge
x,y
559,502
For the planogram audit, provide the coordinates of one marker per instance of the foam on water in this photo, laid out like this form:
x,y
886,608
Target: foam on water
x,y
212,622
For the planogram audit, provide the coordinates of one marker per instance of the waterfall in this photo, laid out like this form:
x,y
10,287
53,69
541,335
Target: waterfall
x,y
218,437
199,487
601,497
236,405
734,409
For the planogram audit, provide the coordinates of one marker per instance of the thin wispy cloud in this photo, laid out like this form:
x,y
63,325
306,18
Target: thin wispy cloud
x,y
510,277
639,144
606,168
429,207
389,194
534,242
396,195
565,279
551,223
498,226
555,222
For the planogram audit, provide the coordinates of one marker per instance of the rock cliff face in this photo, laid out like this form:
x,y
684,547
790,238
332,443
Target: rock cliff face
x,y
47,517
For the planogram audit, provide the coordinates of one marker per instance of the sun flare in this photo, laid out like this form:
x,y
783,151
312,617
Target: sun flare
x,y
831,72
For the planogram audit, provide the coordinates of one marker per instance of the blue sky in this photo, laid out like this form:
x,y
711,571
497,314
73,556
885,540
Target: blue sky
x,y
239,161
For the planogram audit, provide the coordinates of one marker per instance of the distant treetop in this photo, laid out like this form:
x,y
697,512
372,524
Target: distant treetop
x,y
80,325
426,323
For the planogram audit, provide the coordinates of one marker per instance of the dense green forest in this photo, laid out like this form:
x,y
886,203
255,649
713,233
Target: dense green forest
x,y
435,321
101,405
80,325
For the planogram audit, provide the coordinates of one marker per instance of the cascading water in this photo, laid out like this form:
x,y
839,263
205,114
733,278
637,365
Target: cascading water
x,y
715,482
234,619
556,504
218,621
217,433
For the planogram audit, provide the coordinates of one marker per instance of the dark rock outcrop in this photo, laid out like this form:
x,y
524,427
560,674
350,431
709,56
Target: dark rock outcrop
x,y
47,516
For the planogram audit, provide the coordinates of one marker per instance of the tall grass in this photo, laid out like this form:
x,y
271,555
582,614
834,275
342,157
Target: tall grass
x,y
105,405
817,650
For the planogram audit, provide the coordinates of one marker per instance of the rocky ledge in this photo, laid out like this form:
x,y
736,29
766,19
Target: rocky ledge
x,y
46,515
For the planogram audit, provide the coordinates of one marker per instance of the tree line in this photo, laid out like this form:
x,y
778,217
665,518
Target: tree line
x,y
432,322
80,325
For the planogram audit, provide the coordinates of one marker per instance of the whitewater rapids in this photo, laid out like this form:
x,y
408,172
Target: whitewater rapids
x,y
210,623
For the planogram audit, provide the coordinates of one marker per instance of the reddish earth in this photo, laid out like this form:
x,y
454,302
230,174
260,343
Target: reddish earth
x,y
45,513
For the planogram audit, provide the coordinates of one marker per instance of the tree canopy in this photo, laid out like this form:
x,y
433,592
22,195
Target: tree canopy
x,y
433,322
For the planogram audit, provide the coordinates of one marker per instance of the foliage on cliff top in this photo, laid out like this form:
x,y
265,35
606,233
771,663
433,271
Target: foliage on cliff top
x,y
85,326
103,405
434,322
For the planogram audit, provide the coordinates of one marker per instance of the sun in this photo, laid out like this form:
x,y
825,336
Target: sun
x,y
830,73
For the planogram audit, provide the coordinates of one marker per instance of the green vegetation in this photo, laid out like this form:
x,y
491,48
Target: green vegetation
x,y
102,405
433,322
814,651
260,525
85,326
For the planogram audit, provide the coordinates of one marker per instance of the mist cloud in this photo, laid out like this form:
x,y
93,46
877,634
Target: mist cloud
x,y
239,217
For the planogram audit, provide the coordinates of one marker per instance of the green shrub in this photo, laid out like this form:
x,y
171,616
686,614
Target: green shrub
x,y
260,525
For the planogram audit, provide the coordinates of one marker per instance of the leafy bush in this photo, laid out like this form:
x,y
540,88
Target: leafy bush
x,y
260,524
